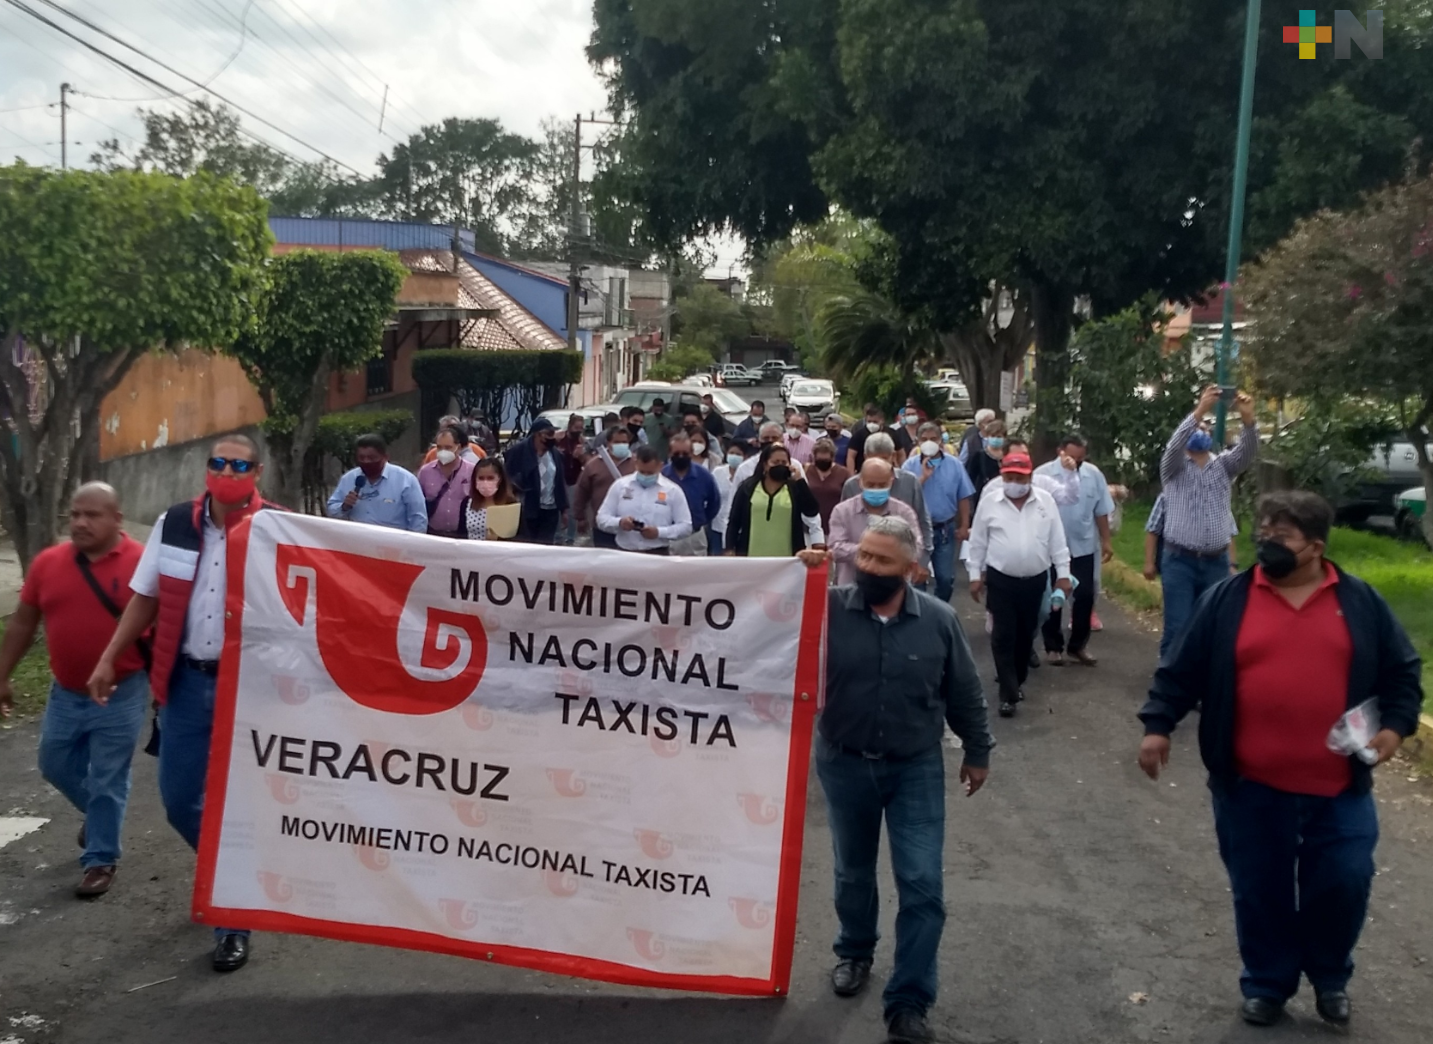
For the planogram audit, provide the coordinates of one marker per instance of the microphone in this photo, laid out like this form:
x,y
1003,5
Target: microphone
x,y
360,482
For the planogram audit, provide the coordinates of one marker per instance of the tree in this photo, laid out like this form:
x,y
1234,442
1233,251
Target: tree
x,y
469,172
95,270
708,319
319,314
1041,145
679,361
862,331
1346,301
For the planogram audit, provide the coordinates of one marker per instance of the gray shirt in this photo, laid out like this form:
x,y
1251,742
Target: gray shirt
x,y
906,488
893,686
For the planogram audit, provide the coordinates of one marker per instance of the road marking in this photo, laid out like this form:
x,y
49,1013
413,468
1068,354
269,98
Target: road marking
x,y
12,828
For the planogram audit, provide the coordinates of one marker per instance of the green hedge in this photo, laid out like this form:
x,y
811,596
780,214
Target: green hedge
x,y
337,432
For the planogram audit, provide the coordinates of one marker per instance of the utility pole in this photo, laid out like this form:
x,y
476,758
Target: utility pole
x,y
574,270
383,109
64,128
1236,216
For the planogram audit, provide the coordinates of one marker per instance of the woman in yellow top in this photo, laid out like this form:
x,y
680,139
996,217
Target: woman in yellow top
x,y
772,514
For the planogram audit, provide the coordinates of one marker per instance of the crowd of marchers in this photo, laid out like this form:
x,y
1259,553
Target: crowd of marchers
x,y
1272,656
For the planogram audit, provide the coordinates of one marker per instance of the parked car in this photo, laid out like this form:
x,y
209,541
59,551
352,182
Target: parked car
x,y
815,398
700,380
774,368
786,382
732,406
954,398
735,373
591,415
1408,510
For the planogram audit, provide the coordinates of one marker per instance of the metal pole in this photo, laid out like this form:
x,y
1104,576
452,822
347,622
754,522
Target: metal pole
x,y
574,272
1236,212
64,128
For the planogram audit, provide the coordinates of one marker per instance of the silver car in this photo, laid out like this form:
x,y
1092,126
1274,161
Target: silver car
x,y
815,398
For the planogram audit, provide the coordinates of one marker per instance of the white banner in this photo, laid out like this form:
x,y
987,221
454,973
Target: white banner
x,y
581,761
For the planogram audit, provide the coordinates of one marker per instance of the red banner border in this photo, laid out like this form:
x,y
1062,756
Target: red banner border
x,y
809,674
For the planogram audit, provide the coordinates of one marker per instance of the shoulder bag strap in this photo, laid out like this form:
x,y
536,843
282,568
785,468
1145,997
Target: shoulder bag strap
x,y
109,605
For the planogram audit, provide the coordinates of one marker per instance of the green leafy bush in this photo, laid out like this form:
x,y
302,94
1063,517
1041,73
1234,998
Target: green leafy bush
x,y
335,437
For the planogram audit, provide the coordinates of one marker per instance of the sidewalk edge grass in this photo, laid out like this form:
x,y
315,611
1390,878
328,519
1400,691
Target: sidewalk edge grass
x,y
31,681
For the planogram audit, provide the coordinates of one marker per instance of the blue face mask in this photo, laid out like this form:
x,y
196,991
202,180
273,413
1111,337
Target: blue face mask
x,y
735,460
620,450
1200,442
876,497
995,441
646,481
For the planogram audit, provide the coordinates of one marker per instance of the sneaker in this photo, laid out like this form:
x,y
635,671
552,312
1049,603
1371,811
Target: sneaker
x,y
96,882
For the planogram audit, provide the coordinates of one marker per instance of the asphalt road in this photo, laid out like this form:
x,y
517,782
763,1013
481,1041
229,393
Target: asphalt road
x,y
1085,904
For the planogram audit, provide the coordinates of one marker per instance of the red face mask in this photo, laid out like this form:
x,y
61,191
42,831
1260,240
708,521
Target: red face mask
x,y
231,490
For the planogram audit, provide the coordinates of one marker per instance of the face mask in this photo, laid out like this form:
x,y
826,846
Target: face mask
x,y
230,490
620,450
833,433
372,472
681,461
756,418
824,463
485,487
1016,490
705,409
780,472
930,448
446,456
911,418
872,427
699,449
794,433
1276,560
876,497
876,589
735,460
996,442
1200,442
646,481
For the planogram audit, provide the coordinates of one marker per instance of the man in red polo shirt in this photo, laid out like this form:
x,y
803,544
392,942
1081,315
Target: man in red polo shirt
x,y
78,589
1278,654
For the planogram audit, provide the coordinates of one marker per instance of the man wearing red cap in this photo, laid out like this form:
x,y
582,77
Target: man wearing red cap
x,y
1016,538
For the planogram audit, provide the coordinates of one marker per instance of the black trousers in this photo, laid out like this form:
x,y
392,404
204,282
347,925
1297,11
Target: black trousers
x,y
539,527
1014,604
603,539
1083,607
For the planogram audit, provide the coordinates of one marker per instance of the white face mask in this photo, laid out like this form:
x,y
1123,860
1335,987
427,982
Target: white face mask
x,y
699,449
872,427
446,456
1016,490
930,448
793,433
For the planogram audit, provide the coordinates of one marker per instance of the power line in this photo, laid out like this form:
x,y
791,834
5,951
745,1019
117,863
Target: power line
x,y
22,6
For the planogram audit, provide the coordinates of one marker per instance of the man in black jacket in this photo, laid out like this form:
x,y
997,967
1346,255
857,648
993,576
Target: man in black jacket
x,y
535,469
1278,654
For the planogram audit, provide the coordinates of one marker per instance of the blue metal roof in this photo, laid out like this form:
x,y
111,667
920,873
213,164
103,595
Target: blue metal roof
x,y
386,235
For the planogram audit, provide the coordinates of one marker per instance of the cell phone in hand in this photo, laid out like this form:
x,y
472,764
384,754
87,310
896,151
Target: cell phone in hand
x,y
1227,394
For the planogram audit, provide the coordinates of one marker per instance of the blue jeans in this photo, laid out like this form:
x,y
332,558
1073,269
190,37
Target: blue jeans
x,y
942,559
1300,868
911,794
714,543
85,753
1184,579
185,723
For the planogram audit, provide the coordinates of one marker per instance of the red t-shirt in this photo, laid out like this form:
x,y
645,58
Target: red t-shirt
x,y
77,625
1292,666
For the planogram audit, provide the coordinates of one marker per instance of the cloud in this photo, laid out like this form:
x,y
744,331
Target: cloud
x,y
315,68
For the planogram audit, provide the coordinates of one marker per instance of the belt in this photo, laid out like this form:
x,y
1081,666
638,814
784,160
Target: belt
x,y
942,525
1189,552
202,666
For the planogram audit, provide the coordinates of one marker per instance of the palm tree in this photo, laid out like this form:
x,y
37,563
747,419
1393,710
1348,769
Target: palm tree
x,y
862,331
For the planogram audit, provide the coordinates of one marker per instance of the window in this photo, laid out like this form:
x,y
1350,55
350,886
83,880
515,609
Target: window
x,y
380,375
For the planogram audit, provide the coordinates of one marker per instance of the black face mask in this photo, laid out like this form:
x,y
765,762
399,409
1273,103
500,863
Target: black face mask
x,y
1276,560
780,472
876,589
681,460
823,464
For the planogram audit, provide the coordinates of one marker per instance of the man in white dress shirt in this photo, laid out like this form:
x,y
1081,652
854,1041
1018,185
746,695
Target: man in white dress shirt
x,y
1016,538
645,510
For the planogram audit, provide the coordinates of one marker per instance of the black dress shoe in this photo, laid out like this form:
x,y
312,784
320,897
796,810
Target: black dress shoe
x,y
908,1027
1261,1011
231,952
1007,710
1034,658
849,977
1333,1006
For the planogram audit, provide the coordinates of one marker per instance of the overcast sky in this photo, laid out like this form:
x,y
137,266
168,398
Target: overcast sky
x,y
314,68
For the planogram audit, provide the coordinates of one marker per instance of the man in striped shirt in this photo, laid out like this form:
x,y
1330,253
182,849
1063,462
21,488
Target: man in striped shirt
x,y
1198,489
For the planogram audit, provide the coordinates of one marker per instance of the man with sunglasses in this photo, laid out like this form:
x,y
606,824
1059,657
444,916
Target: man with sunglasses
x,y
179,587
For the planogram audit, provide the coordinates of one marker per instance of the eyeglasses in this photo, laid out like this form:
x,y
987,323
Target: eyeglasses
x,y
240,466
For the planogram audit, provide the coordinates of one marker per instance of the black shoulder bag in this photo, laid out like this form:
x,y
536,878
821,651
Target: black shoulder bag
x,y
152,747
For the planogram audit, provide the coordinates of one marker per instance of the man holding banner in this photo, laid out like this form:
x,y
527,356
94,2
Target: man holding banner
x,y
181,587
898,670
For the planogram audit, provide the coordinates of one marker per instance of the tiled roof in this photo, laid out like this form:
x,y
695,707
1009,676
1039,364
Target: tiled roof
x,y
514,327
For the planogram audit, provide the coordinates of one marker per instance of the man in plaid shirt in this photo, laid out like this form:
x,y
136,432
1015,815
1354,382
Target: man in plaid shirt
x,y
1198,488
